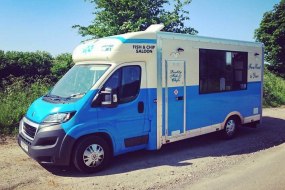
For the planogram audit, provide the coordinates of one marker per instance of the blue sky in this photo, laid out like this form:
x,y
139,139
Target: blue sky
x,y
45,25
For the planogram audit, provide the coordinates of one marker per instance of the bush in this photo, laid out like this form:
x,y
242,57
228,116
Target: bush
x,y
273,90
26,64
31,64
61,64
15,100
25,76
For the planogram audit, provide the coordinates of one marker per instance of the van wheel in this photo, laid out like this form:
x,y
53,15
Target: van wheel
x,y
230,128
91,154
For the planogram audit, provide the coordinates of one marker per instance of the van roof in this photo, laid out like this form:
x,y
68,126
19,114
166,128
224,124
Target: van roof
x,y
138,46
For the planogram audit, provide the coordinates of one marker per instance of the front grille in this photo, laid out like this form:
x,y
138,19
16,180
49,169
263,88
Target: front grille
x,y
29,130
23,139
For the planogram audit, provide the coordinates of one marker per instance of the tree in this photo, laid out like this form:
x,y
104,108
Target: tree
x,y
121,16
272,33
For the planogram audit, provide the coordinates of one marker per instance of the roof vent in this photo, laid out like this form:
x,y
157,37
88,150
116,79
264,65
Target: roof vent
x,y
155,28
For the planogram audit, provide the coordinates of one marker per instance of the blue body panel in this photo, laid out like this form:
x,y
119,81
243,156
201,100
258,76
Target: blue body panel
x,y
120,123
125,122
208,109
40,109
175,110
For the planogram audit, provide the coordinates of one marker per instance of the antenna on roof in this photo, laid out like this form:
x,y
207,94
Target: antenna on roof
x,y
155,28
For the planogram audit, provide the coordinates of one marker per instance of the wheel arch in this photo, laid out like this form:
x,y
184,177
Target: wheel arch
x,y
104,135
234,114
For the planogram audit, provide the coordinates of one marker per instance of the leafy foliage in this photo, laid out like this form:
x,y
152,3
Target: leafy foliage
x,y
15,100
32,65
25,76
26,64
272,33
61,64
273,90
121,16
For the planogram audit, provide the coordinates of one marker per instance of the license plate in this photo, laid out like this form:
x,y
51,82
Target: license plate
x,y
24,146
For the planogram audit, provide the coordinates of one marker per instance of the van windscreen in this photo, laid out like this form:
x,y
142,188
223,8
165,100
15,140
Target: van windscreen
x,y
78,80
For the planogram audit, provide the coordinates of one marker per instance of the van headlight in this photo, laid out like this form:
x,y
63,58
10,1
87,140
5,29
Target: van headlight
x,y
58,118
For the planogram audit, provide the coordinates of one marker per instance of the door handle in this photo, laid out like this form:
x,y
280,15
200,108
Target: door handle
x,y
178,98
140,107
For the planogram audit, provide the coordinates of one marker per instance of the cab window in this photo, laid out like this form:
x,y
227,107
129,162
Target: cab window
x,y
126,83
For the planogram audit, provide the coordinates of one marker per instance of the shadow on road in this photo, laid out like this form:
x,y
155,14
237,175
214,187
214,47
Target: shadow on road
x,y
270,133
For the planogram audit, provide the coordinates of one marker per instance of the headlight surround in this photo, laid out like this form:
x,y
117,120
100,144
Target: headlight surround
x,y
58,118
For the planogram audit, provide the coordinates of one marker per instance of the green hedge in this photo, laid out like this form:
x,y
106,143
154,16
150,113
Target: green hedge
x,y
31,64
25,76
273,90
15,100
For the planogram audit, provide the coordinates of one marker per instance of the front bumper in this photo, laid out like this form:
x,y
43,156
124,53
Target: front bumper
x,y
50,145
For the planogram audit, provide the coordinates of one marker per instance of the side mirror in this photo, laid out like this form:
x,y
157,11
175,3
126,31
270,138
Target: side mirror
x,y
109,98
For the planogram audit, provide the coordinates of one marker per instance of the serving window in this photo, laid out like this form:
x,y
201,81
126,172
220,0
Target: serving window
x,y
221,71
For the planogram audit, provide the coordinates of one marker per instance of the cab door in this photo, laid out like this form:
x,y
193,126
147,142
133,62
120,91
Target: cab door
x,y
127,121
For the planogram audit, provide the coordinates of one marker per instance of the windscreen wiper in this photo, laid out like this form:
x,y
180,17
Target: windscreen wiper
x,y
76,95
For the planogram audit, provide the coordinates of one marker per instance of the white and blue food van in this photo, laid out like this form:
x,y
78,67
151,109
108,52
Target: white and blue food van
x,y
142,90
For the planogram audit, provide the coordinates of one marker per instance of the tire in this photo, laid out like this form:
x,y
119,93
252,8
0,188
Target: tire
x,y
91,154
230,128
